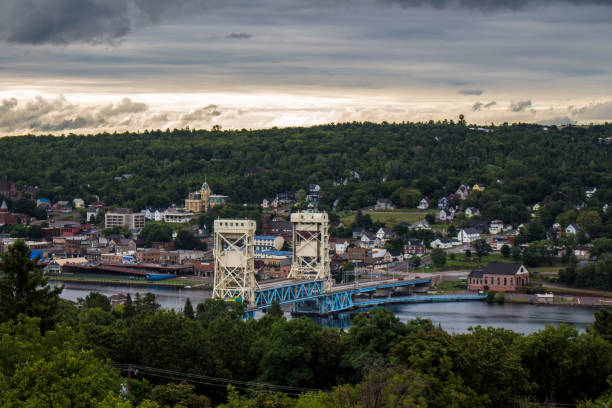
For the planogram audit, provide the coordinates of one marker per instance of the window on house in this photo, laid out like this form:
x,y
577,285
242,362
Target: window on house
x,y
498,281
511,281
505,281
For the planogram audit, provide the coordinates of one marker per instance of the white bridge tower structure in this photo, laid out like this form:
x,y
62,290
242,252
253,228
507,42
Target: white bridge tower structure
x,y
310,258
235,260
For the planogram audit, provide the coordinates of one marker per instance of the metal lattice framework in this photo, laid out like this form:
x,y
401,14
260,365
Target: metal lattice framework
x,y
288,294
235,260
310,258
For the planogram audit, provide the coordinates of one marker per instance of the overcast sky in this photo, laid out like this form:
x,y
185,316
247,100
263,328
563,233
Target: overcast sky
x,y
96,65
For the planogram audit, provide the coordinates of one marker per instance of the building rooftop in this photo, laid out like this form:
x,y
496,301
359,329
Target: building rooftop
x,y
502,268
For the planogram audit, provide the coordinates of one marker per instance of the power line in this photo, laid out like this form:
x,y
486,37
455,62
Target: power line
x,y
214,381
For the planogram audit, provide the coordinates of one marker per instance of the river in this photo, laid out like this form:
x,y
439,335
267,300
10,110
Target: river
x,y
454,317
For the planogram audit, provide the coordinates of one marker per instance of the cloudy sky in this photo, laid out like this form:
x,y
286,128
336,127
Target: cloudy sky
x,y
105,65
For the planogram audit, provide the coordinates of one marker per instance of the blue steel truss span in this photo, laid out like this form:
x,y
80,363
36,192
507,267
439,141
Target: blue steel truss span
x,y
310,296
292,293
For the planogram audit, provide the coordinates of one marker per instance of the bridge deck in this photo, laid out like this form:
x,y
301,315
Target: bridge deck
x,y
288,291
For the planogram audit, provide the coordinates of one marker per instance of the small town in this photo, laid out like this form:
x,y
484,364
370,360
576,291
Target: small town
x,y
448,242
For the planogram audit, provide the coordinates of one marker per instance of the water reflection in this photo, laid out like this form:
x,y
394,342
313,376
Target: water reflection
x,y
454,317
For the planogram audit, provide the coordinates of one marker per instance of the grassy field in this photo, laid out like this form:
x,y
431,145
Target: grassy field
x,y
389,218
451,286
461,262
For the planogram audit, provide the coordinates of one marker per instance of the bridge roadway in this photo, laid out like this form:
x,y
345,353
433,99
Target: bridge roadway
x,y
311,296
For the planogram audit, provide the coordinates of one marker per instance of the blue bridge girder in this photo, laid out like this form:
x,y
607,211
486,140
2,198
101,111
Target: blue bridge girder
x,y
310,297
391,285
299,291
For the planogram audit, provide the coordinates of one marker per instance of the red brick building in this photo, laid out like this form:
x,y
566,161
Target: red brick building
x,y
499,277
8,189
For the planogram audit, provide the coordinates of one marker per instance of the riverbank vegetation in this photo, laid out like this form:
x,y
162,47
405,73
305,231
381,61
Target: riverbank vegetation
x,y
594,276
60,354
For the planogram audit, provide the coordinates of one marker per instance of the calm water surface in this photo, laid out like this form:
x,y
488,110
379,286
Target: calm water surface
x,y
454,317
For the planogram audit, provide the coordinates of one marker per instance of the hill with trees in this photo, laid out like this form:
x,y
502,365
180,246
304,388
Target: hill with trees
x,y
520,164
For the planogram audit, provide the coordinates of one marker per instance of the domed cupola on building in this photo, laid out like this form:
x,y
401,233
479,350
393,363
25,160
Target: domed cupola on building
x,y
203,200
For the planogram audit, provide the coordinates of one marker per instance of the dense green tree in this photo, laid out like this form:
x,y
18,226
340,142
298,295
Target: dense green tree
x,y
95,299
24,289
50,370
482,247
438,256
181,395
601,246
603,324
188,309
566,366
156,232
505,251
186,240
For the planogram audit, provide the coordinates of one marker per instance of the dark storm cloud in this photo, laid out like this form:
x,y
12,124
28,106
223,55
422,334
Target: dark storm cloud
x,y
238,36
478,106
520,106
92,21
488,6
471,92
103,21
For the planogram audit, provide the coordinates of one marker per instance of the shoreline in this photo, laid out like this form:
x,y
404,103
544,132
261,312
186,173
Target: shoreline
x,y
124,282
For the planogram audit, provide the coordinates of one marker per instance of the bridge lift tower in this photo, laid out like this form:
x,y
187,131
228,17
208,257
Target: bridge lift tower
x,y
235,260
310,258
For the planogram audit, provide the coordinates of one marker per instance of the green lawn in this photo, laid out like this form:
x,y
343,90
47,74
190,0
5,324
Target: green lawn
x,y
451,286
461,262
389,218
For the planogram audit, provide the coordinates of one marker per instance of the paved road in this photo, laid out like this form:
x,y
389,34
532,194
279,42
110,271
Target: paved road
x,y
560,300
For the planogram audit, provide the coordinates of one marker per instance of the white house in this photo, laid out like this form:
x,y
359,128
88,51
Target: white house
x,y
384,234
265,203
341,247
571,229
446,215
468,235
423,204
92,213
496,227
421,225
462,192
471,212
444,243
367,241
590,192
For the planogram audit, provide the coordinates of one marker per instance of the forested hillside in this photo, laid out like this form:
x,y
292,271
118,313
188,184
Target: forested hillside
x,y
529,161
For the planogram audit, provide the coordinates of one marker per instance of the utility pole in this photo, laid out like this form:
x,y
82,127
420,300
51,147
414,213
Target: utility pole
x,y
129,380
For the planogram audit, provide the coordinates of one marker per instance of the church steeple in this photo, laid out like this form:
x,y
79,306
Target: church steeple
x,y
205,195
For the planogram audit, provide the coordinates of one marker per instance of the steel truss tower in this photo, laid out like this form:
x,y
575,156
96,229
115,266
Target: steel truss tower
x,y
235,260
310,259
